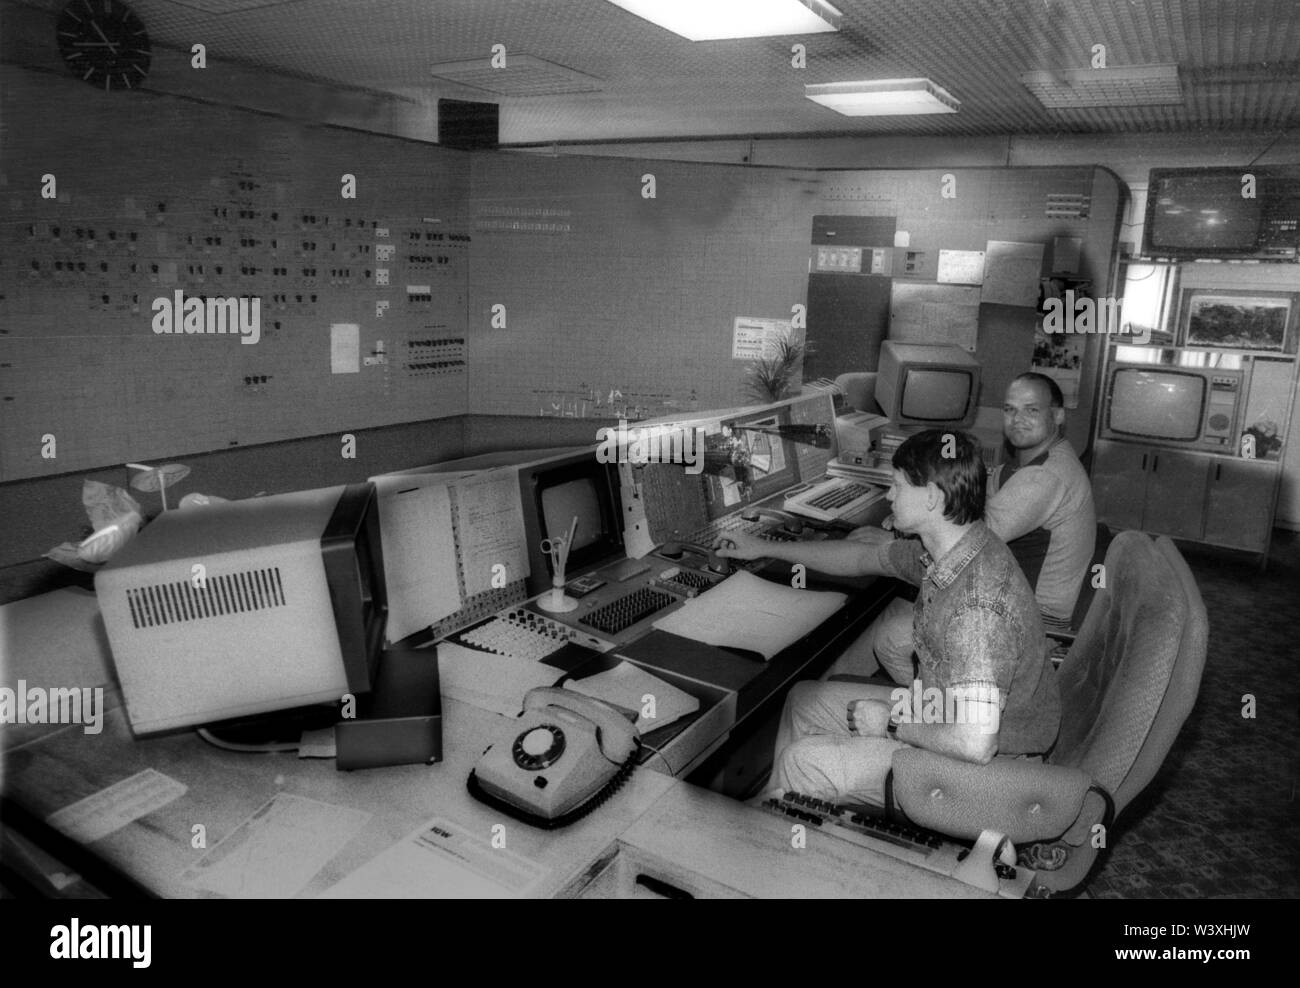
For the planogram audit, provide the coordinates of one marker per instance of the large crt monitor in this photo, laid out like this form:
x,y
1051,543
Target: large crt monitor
x,y
928,385
247,607
1194,407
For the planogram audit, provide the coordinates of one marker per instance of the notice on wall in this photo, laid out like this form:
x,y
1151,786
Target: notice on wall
x,y
754,337
961,267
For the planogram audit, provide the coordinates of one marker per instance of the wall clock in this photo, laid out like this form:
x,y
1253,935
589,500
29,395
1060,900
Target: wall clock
x,y
104,43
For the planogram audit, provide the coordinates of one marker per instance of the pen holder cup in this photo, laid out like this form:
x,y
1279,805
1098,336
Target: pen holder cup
x,y
556,601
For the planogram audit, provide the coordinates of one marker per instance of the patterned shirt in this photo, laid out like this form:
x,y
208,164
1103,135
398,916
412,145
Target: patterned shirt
x,y
976,625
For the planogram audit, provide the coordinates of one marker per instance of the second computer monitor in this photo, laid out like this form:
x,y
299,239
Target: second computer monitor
x,y
928,385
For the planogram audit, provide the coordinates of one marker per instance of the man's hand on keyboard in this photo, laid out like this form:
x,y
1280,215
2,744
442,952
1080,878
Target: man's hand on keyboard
x,y
869,718
870,535
741,545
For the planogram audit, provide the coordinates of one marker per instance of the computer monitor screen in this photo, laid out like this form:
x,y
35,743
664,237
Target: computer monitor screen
x,y
555,492
928,385
247,607
1156,403
1200,210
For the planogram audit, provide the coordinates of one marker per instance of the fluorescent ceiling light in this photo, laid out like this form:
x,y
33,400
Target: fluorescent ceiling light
x,y
711,20
1124,85
883,97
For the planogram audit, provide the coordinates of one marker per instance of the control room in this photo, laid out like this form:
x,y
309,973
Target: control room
x,y
628,449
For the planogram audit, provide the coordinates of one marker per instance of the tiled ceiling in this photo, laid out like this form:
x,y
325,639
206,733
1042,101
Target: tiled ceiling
x,y
1238,61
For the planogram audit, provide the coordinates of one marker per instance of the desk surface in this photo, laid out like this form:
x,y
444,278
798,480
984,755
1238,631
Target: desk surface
x,y
707,839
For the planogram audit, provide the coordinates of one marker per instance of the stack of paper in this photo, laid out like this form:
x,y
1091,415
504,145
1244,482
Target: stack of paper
x,y
746,611
490,681
632,688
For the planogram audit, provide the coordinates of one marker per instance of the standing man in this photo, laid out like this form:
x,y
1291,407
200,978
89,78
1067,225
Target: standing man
x,y
977,631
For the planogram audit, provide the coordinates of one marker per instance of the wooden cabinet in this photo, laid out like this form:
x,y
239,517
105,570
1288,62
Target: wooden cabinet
x,y
1202,497
1238,510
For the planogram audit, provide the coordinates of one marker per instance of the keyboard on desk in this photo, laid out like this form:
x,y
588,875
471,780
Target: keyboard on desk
x,y
861,826
832,499
618,615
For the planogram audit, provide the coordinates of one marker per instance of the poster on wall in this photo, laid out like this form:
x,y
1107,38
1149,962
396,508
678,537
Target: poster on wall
x,y
1060,357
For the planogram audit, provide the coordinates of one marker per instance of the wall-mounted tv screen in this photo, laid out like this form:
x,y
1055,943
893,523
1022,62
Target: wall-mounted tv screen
x,y
1202,211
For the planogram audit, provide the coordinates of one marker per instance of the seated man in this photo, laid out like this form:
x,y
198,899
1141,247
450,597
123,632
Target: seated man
x,y
1040,505
977,630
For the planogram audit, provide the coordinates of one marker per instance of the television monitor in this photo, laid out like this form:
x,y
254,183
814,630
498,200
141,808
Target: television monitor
x,y
1194,407
931,385
247,607
1201,211
559,489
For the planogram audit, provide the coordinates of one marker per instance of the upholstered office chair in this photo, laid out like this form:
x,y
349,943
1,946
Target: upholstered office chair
x,y
1127,685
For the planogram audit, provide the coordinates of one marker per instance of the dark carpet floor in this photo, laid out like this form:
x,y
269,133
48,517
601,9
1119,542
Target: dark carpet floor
x,y
1221,819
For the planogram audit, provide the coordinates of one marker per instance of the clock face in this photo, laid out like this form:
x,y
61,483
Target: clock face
x,y
104,43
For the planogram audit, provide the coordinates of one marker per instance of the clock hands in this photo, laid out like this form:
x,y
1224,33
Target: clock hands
x,y
100,32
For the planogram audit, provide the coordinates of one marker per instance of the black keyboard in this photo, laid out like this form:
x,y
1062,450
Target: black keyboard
x,y
619,615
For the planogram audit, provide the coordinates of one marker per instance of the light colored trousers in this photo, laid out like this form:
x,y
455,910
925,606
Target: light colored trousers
x,y
817,756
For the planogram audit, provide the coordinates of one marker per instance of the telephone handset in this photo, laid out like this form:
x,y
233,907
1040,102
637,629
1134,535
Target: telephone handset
x,y
563,757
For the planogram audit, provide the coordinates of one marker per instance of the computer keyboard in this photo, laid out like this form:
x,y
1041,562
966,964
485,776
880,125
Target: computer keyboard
x,y
858,826
832,499
520,634
619,615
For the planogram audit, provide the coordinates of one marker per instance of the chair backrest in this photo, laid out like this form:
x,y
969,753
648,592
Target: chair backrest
x,y
1131,678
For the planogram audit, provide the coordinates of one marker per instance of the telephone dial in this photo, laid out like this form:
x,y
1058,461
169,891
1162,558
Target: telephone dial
x,y
564,756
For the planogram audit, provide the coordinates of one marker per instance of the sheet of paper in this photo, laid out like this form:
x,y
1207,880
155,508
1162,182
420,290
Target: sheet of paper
x,y
961,267
419,557
442,860
632,688
111,809
754,337
491,524
489,681
920,312
275,852
1011,272
746,611
345,348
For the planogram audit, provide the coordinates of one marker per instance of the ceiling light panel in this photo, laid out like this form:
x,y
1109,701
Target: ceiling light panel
x,y
714,20
1126,85
883,97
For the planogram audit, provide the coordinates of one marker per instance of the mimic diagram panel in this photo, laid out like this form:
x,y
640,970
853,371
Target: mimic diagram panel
x,y
289,281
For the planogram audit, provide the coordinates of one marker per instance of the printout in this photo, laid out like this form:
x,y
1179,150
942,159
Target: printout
x,y
419,557
111,809
753,337
278,850
746,611
491,522
442,860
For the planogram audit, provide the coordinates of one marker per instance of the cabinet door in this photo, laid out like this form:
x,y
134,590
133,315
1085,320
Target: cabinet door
x,y
1119,483
1239,509
1175,502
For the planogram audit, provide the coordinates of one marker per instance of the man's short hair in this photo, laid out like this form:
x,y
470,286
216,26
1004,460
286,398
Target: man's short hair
x,y
1056,399
952,462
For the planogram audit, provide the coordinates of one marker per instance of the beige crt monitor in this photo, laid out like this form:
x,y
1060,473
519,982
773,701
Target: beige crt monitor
x,y
246,607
